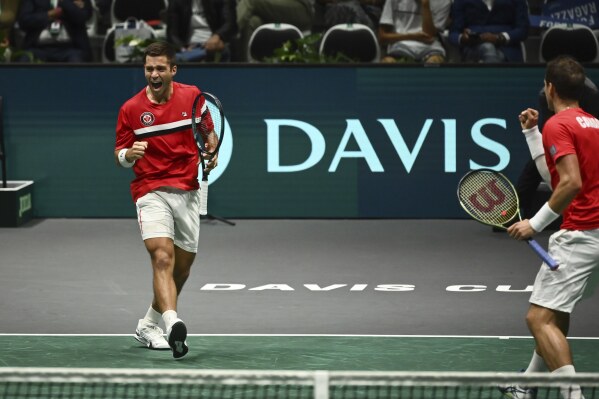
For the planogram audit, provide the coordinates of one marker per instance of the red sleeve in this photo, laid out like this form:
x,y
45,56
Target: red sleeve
x,y
557,139
124,132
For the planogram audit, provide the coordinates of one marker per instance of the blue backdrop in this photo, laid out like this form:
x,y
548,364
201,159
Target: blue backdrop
x,y
316,141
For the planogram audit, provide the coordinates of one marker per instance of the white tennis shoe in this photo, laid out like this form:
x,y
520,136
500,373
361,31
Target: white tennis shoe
x,y
176,336
150,335
518,392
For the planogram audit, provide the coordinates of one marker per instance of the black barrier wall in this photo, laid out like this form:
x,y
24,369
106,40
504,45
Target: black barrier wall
x,y
318,142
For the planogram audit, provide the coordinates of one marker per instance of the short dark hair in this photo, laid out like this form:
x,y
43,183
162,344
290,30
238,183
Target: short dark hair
x,y
161,48
567,76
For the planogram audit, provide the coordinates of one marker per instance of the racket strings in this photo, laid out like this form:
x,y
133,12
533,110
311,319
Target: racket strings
x,y
210,119
196,122
488,198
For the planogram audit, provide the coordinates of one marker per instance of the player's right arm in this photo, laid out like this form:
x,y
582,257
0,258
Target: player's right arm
x,y
127,151
570,182
137,151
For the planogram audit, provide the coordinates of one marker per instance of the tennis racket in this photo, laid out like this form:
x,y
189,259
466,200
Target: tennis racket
x,y
207,117
490,198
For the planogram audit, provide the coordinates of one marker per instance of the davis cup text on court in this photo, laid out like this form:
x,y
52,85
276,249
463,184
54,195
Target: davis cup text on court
x,y
357,287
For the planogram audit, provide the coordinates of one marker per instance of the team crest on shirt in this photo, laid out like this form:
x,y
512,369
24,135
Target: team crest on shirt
x,y
147,118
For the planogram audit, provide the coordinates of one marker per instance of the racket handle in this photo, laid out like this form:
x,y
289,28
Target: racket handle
x,y
203,197
553,265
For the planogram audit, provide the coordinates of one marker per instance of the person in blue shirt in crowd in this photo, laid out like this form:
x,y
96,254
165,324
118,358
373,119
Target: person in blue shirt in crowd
x,y
489,31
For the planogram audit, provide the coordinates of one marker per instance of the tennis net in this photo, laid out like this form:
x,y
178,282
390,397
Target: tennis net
x,y
90,383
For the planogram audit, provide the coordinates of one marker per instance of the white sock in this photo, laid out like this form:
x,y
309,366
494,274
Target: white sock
x,y
169,317
152,316
569,391
536,365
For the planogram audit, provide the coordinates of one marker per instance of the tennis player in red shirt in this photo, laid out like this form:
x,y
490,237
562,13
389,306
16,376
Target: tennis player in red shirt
x,y
569,144
154,137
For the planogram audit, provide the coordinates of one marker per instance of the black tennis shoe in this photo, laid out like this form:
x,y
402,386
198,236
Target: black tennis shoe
x,y
176,339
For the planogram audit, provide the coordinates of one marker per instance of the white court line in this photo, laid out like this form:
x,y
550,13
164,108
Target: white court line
x,y
299,335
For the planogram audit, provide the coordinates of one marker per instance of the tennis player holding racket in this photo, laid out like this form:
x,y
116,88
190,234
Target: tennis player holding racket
x,y
569,145
154,137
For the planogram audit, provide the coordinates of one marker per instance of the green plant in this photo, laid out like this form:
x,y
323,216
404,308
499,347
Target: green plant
x,y
135,46
304,50
8,54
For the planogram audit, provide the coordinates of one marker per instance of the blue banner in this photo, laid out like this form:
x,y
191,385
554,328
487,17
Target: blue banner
x,y
302,142
584,12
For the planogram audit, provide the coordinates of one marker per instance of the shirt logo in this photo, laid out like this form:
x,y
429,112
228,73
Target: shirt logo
x,y
147,118
553,150
184,114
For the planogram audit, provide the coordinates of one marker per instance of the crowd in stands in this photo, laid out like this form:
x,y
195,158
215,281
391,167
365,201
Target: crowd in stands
x,y
406,31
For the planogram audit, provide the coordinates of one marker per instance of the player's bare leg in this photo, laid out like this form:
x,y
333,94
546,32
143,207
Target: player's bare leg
x,y
147,331
550,329
162,253
182,269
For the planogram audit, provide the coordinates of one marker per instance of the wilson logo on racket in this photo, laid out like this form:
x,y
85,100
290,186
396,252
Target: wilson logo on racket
x,y
487,197
481,192
147,118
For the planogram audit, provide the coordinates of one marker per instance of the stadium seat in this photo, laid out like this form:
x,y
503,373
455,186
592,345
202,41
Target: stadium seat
x,y
574,40
355,41
108,46
269,37
151,11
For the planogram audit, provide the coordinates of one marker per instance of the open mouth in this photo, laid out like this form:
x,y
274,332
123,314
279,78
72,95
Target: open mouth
x,y
156,85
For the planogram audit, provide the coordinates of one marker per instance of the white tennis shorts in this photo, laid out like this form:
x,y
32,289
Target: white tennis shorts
x,y
577,253
173,213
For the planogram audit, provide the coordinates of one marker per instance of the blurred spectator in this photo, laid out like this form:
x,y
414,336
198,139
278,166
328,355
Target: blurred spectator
x,y
104,6
253,13
201,29
56,30
153,12
104,10
8,16
489,30
410,29
328,13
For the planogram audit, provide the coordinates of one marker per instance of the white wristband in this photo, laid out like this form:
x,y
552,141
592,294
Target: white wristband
x,y
543,218
123,160
534,141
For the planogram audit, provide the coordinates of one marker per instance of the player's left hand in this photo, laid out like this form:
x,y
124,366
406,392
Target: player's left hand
x,y
528,118
211,143
211,163
521,230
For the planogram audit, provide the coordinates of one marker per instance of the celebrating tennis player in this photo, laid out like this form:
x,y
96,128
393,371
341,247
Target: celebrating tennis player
x,y
154,137
569,144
